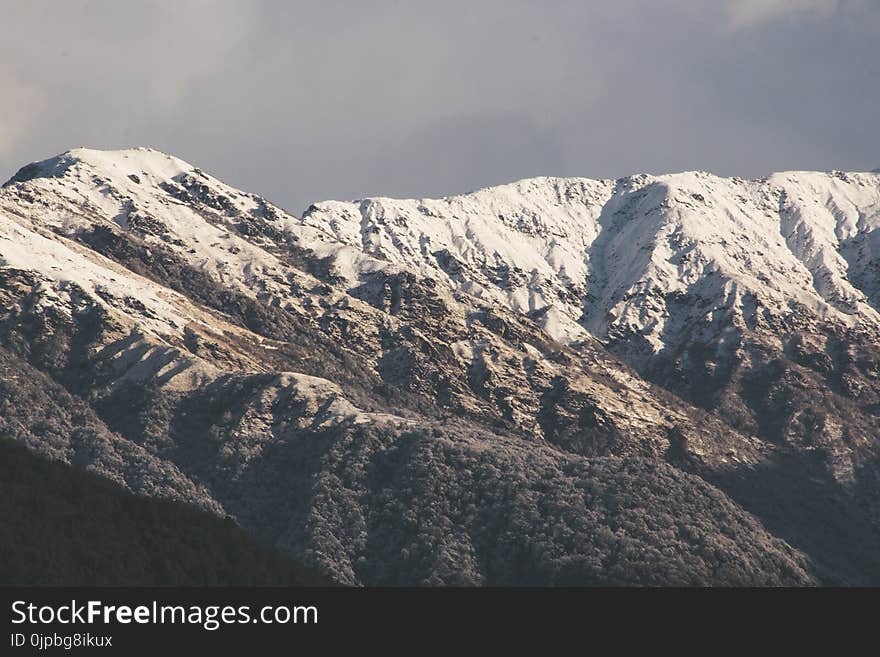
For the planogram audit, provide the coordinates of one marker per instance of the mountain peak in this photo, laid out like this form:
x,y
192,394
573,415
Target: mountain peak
x,y
470,350
109,163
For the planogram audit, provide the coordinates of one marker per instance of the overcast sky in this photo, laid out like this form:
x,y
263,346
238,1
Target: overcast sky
x,y
305,101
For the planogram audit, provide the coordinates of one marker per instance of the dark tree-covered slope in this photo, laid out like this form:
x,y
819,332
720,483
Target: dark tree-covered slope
x,y
62,526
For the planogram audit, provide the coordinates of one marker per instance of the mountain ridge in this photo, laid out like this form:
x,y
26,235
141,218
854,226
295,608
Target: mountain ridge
x,y
372,346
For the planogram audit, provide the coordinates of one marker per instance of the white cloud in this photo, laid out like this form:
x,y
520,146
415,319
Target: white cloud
x,y
750,13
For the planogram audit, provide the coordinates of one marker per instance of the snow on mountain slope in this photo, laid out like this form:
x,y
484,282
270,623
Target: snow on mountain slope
x,y
612,259
258,353
645,263
205,280
71,280
829,221
239,240
756,299
147,191
617,257
24,247
526,245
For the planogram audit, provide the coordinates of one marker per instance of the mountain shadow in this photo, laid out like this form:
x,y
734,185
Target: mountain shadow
x,y
63,526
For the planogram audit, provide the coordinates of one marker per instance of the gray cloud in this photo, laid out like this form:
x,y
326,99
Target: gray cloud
x,y
748,13
303,101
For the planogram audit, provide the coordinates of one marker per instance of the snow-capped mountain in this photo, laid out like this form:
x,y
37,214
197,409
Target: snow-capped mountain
x,y
616,257
67,220
403,391
696,281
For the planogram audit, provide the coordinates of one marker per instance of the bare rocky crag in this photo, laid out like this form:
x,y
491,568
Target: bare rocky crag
x,y
556,381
